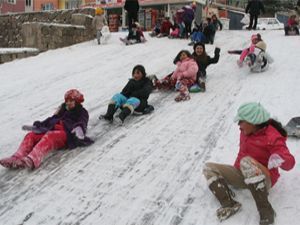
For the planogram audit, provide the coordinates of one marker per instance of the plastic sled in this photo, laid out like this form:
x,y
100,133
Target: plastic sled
x,y
293,127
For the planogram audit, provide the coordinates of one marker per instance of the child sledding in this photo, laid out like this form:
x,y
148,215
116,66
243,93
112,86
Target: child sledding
x,y
182,78
134,36
254,56
133,97
65,129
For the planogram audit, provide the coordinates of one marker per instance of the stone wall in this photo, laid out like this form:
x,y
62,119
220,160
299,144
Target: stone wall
x,y
11,27
7,55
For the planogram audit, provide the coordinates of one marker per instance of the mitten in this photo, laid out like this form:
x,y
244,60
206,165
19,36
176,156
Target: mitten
x,y
217,51
274,161
78,132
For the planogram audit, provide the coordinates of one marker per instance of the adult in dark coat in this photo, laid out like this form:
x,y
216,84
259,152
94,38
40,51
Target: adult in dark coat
x,y
254,7
132,7
65,129
133,97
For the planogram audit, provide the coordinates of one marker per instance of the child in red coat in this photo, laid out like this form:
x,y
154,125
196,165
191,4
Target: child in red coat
x,y
262,152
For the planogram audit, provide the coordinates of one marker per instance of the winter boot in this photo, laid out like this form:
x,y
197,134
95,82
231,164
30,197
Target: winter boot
x,y
219,188
121,117
111,109
28,163
260,195
12,163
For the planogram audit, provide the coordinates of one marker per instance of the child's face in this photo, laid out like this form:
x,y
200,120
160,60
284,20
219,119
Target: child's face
x,y
183,56
199,50
137,75
247,128
70,104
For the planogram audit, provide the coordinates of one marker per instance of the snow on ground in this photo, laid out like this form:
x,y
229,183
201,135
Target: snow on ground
x,y
148,172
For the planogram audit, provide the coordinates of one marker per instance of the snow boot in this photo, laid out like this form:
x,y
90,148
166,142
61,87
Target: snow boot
x,y
182,97
12,163
122,116
111,109
260,195
28,163
220,189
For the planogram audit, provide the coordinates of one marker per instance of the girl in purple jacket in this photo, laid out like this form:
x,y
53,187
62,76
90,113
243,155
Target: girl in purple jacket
x,y
65,129
262,152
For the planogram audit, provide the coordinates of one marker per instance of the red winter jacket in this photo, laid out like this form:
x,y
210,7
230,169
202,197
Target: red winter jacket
x,y
261,145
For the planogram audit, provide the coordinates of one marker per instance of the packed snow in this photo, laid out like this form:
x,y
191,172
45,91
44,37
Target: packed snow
x,y
149,171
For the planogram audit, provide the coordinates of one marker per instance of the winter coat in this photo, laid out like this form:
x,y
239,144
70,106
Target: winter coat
x,y
132,6
70,119
140,89
217,24
99,21
204,62
292,22
165,27
261,145
135,35
186,69
188,14
254,7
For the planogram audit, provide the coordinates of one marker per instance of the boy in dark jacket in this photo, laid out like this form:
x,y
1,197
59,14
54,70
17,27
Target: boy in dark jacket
x,y
133,97
65,129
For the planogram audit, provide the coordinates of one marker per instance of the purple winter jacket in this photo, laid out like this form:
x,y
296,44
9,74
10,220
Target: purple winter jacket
x,y
70,119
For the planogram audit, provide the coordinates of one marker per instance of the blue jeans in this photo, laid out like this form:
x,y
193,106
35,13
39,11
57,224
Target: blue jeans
x,y
121,100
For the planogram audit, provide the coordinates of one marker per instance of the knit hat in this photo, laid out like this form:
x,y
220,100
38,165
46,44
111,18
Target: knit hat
x,y
199,44
75,95
139,68
253,113
99,11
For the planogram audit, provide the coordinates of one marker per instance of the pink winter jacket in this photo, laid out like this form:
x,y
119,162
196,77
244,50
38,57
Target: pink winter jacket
x,y
187,69
261,145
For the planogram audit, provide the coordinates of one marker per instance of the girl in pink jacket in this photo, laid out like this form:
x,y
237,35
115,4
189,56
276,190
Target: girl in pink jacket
x,y
182,78
262,151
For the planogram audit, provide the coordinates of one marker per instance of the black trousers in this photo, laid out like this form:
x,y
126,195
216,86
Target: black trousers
x,y
253,18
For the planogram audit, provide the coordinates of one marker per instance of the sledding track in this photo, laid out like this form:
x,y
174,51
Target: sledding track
x,y
147,172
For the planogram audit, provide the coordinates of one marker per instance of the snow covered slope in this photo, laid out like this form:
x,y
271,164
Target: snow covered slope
x,y
148,172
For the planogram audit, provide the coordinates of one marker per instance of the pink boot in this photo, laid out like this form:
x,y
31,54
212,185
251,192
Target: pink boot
x,y
12,163
28,163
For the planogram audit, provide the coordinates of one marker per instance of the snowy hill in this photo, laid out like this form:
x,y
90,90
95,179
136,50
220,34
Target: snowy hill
x,y
148,172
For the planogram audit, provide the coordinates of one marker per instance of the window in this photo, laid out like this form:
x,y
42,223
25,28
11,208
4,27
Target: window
x,y
28,2
11,1
47,6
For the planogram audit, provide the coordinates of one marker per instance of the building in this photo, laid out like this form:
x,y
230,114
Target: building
x,y
70,4
12,6
150,10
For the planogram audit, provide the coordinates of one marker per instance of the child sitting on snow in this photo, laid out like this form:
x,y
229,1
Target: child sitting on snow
x,y
203,60
262,151
65,129
182,78
292,26
255,56
132,98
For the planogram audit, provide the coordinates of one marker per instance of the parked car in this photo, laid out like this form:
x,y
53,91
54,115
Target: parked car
x,y
268,24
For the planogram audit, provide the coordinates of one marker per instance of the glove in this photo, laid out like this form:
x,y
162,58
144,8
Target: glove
x,y
78,132
275,161
217,51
